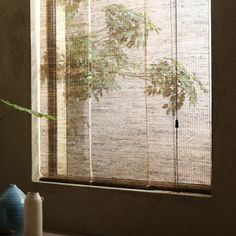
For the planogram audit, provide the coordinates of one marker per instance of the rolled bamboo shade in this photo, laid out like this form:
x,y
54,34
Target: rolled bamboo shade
x,y
112,129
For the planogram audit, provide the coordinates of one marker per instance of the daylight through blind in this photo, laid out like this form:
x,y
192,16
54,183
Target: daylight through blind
x,y
130,85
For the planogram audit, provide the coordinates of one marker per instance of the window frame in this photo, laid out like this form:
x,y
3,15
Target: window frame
x,y
38,177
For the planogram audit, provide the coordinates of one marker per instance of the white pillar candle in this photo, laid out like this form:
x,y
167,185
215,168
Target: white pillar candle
x,y
33,217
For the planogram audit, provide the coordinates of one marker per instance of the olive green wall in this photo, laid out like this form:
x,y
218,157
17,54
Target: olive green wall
x,y
115,212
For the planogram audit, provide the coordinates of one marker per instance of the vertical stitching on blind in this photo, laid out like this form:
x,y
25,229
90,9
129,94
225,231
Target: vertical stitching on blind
x,y
174,62
68,87
210,74
37,12
146,98
90,99
172,58
68,84
176,96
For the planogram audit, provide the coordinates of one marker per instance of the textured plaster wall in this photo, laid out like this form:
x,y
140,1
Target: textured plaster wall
x,y
112,212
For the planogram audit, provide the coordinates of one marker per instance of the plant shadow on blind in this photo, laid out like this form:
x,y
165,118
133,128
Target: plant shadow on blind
x,y
130,85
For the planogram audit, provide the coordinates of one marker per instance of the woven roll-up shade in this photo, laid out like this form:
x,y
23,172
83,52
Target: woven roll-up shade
x,y
130,85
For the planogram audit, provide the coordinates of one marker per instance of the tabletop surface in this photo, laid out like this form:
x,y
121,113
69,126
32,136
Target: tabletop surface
x,y
61,234
46,233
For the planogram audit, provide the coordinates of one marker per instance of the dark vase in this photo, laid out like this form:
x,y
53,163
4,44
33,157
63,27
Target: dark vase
x,y
12,211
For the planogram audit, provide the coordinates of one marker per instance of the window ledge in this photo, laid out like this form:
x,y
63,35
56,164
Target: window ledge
x,y
161,192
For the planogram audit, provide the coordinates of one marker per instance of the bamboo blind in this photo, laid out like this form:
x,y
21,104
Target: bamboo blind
x,y
124,137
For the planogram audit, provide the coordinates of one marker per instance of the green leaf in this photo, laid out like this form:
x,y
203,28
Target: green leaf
x,y
162,78
165,106
35,113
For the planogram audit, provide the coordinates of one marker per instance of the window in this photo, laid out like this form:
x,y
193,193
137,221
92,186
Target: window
x,y
130,85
